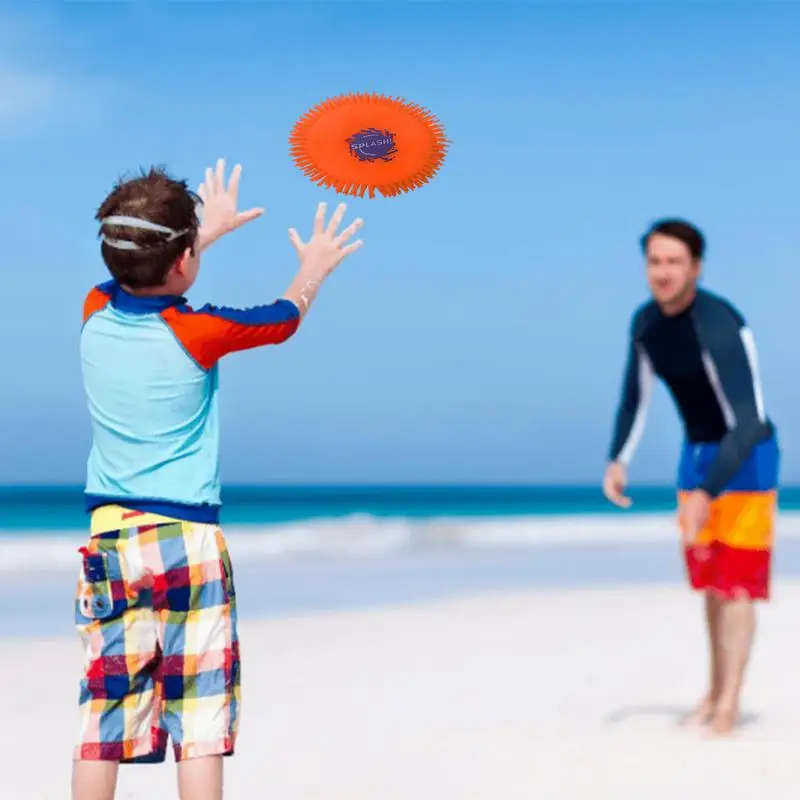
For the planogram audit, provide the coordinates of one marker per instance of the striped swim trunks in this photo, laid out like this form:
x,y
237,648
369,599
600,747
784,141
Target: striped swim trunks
x,y
732,555
156,612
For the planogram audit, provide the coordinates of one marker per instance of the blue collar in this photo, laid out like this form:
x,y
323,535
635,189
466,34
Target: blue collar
x,y
143,304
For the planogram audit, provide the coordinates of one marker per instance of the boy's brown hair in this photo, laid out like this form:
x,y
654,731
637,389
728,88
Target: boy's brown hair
x,y
156,197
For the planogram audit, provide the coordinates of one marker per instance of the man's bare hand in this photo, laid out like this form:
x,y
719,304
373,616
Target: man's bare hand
x,y
693,515
615,482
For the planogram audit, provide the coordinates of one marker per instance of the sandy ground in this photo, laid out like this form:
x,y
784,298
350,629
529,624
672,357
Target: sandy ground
x,y
552,694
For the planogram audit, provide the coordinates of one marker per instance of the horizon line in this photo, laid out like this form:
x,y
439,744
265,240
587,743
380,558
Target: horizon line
x,y
26,487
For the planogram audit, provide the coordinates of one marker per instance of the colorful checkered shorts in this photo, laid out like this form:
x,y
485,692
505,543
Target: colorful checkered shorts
x,y
156,611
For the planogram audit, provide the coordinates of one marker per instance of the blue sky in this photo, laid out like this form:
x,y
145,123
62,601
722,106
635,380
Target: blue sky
x,y
480,333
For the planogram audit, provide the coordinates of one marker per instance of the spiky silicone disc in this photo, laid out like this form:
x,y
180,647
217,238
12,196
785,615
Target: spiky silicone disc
x,y
366,143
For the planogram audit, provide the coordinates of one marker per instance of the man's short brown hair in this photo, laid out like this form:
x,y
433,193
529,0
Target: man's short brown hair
x,y
156,197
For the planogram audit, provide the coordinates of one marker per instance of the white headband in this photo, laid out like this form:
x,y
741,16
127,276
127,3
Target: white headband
x,y
141,224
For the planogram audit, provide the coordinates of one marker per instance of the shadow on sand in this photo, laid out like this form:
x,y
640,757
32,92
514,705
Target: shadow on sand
x,y
677,713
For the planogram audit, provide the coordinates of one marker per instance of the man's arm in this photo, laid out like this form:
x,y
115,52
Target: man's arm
x,y
211,332
637,389
732,363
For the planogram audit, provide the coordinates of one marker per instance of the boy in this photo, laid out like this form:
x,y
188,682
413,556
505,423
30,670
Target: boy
x,y
156,605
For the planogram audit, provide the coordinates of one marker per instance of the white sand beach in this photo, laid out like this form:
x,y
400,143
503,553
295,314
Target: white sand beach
x,y
554,694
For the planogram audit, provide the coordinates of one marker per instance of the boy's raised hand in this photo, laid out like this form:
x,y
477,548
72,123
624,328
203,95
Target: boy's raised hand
x,y
219,213
320,255
327,247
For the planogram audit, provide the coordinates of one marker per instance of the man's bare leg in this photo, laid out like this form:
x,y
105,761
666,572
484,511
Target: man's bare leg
x,y
94,780
200,778
737,626
705,708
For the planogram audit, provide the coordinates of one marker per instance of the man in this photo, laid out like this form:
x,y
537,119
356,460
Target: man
x,y
702,349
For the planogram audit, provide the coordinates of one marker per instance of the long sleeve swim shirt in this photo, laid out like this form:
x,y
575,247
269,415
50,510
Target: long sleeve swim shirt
x,y
707,358
149,367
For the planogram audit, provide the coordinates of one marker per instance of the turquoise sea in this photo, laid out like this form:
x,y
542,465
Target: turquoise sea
x,y
53,508
302,549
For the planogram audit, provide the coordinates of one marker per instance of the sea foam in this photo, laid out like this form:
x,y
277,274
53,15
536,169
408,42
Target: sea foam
x,y
363,536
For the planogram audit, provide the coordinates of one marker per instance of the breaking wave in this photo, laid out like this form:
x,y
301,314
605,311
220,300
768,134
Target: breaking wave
x,y
363,536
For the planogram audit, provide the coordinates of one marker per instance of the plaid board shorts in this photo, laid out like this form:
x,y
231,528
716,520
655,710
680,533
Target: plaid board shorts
x,y
156,612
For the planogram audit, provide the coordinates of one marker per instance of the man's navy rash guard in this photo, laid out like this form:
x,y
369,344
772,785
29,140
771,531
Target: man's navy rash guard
x,y
706,356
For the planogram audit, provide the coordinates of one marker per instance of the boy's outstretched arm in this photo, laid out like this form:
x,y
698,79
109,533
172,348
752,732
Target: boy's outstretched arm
x,y
210,332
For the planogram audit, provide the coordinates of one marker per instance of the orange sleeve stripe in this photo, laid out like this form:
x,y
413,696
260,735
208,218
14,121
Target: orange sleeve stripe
x,y
95,301
208,338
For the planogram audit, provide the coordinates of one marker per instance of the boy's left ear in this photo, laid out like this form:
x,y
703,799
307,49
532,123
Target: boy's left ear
x,y
183,258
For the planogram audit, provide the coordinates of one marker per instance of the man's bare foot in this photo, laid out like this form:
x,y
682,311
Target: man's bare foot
x,y
724,719
701,715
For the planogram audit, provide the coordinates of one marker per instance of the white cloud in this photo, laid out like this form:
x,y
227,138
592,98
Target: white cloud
x,y
25,96
36,93
33,100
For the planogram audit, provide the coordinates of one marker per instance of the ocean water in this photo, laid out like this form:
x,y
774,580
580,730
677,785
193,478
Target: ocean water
x,y
53,508
299,550
57,508
40,527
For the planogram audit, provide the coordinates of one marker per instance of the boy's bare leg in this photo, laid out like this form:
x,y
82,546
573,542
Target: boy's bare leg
x,y
200,778
94,780
737,628
706,707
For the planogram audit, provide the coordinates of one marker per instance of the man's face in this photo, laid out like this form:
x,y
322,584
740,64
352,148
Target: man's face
x,y
672,273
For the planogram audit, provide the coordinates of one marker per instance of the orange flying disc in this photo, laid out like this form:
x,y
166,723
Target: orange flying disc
x,y
365,143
